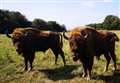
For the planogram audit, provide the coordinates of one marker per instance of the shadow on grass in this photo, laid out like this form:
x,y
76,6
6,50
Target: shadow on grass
x,y
61,73
114,78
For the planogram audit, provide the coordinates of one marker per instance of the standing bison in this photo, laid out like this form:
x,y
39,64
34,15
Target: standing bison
x,y
29,40
85,43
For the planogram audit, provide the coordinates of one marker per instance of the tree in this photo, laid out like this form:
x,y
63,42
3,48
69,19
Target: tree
x,y
40,24
10,20
50,25
54,26
18,20
3,20
111,22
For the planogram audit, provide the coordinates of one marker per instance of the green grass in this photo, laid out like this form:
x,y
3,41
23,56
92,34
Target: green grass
x,y
45,71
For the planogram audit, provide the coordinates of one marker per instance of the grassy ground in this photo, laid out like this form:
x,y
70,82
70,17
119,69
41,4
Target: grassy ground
x,y
45,71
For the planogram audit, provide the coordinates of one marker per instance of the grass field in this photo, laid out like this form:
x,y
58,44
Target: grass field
x,y
45,71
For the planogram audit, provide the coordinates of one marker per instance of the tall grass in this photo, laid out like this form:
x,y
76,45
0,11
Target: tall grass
x,y
45,70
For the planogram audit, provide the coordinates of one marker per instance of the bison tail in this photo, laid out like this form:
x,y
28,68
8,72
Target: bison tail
x,y
9,36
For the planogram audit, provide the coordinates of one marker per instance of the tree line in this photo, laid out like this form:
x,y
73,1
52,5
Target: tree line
x,y
110,22
9,20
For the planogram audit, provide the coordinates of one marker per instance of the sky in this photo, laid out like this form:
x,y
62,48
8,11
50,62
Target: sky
x,y
72,13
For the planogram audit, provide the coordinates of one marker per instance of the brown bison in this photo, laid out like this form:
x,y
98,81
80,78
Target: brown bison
x,y
29,40
86,43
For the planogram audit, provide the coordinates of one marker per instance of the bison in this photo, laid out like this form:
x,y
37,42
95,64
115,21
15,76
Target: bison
x,y
85,43
29,40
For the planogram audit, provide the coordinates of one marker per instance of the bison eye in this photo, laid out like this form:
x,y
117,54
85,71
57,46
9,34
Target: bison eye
x,y
71,44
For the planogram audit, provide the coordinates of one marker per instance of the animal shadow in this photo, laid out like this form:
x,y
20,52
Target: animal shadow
x,y
60,73
114,78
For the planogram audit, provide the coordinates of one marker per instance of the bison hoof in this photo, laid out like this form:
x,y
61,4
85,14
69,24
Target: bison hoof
x,y
25,69
105,70
56,64
64,64
114,68
84,75
88,78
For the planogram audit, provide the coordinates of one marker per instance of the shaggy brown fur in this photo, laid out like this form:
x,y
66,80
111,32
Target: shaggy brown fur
x,y
86,43
29,40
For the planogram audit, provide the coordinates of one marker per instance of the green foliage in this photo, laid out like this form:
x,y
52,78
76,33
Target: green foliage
x,y
111,22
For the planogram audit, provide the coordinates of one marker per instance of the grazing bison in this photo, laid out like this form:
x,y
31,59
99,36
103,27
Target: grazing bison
x,y
29,40
86,43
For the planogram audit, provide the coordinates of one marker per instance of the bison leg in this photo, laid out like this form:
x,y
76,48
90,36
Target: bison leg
x,y
31,59
62,55
56,52
56,55
106,54
26,62
89,66
113,56
85,70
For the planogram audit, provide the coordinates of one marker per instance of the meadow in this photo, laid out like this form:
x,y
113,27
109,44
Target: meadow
x,y
45,70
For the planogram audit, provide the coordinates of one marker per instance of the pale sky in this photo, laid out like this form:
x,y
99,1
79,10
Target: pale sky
x,y
69,12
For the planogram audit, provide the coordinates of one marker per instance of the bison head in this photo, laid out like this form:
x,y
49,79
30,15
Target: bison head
x,y
18,37
77,44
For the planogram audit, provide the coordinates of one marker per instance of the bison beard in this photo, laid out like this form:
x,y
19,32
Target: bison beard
x,y
28,41
96,43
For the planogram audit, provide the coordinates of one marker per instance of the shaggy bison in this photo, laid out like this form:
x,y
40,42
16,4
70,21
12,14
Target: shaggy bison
x,y
29,40
85,43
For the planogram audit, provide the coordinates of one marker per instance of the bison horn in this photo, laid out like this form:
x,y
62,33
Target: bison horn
x,y
85,36
65,36
7,34
26,34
